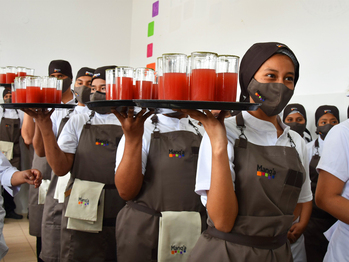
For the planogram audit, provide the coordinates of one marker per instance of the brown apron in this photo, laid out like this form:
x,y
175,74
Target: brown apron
x,y
10,131
94,162
168,185
267,185
319,222
52,216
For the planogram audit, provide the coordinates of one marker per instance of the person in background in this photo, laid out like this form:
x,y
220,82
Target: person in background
x,y
252,170
52,213
326,117
295,116
10,132
61,69
10,179
332,191
86,147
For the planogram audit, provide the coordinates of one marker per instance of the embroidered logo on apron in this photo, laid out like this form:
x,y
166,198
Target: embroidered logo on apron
x,y
83,201
178,249
269,173
260,96
100,142
174,153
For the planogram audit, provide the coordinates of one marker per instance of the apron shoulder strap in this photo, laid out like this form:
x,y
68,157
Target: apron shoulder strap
x,y
196,128
317,146
240,124
293,144
88,123
155,121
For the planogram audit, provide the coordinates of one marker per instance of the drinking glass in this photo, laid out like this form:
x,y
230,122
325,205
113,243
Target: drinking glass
x,y
144,83
124,82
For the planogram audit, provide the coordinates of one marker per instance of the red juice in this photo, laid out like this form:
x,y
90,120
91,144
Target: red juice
x,y
143,89
226,85
155,91
58,96
203,83
22,74
124,87
33,94
113,93
48,95
21,95
13,96
161,90
10,78
175,86
3,78
107,92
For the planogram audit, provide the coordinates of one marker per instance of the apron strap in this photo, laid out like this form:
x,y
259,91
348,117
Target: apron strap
x,y
317,146
155,121
88,123
293,144
196,128
240,123
251,241
143,209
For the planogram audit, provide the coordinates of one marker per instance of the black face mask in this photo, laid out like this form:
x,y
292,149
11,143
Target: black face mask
x,y
323,130
99,96
8,101
66,84
297,127
82,94
273,96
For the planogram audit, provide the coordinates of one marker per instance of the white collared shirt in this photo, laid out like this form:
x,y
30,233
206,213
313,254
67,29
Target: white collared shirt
x,y
12,114
165,125
6,172
258,132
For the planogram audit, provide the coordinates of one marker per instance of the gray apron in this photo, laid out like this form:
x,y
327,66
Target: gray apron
x,y
319,222
94,163
36,210
10,131
52,216
168,185
267,185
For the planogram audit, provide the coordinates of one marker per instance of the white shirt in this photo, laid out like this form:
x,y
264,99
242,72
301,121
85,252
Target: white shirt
x,y
69,139
335,160
258,132
165,125
312,150
6,172
12,114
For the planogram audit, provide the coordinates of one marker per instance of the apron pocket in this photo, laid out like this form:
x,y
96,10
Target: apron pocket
x,y
7,149
62,182
45,183
178,234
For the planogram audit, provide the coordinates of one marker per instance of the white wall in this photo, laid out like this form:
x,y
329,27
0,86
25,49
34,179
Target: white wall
x,y
84,32
316,30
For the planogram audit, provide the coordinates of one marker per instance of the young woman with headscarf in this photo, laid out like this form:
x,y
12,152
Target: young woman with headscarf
x,y
252,169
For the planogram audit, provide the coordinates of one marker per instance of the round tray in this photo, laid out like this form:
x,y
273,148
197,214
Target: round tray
x,y
183,104
110,103
36,105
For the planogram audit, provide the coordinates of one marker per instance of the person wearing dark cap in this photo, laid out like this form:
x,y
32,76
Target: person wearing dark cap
x,y
82,85
326,117
87,147
252,169
295,116
10,132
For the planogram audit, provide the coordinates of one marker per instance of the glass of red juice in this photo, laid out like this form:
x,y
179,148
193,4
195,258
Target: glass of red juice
x,y
13,92
203,76
160,78
11,72
2,75
227,78
111,93
59,88
124,82
48,89
21,71
20,87
188,73
144,83
33,86
175,76
30,71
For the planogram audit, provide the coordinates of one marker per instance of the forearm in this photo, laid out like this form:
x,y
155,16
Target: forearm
x,y
305,214
128,176
337,206
222,205
28,129
17,179
38,142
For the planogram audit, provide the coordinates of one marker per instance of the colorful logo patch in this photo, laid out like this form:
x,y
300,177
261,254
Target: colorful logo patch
x,y
100,142
84,202
174,153
278,45
96,75
88,73
178,249
266,172
327,111
7,125
56,70
261,98
294,108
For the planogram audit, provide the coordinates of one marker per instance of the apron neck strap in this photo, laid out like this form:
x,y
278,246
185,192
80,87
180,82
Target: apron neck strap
x,y
155,121
293,144
69,112
240,124
196,128
91,116
317,146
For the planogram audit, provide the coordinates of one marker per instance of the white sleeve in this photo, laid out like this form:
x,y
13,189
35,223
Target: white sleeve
x,y
335,154
305,194
54,123
68,140
6,172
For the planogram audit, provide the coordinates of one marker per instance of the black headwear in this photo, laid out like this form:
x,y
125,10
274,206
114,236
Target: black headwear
x,y
294,108
85,71
60,66
100,72
5,92
325,109
255,57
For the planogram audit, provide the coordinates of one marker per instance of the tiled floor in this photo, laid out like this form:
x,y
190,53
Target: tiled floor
x,y
22,246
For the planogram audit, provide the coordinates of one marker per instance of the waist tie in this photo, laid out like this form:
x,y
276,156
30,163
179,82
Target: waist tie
x,y
143,209
251,241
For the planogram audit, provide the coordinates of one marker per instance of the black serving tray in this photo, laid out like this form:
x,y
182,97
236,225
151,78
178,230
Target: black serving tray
x,y
36,105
